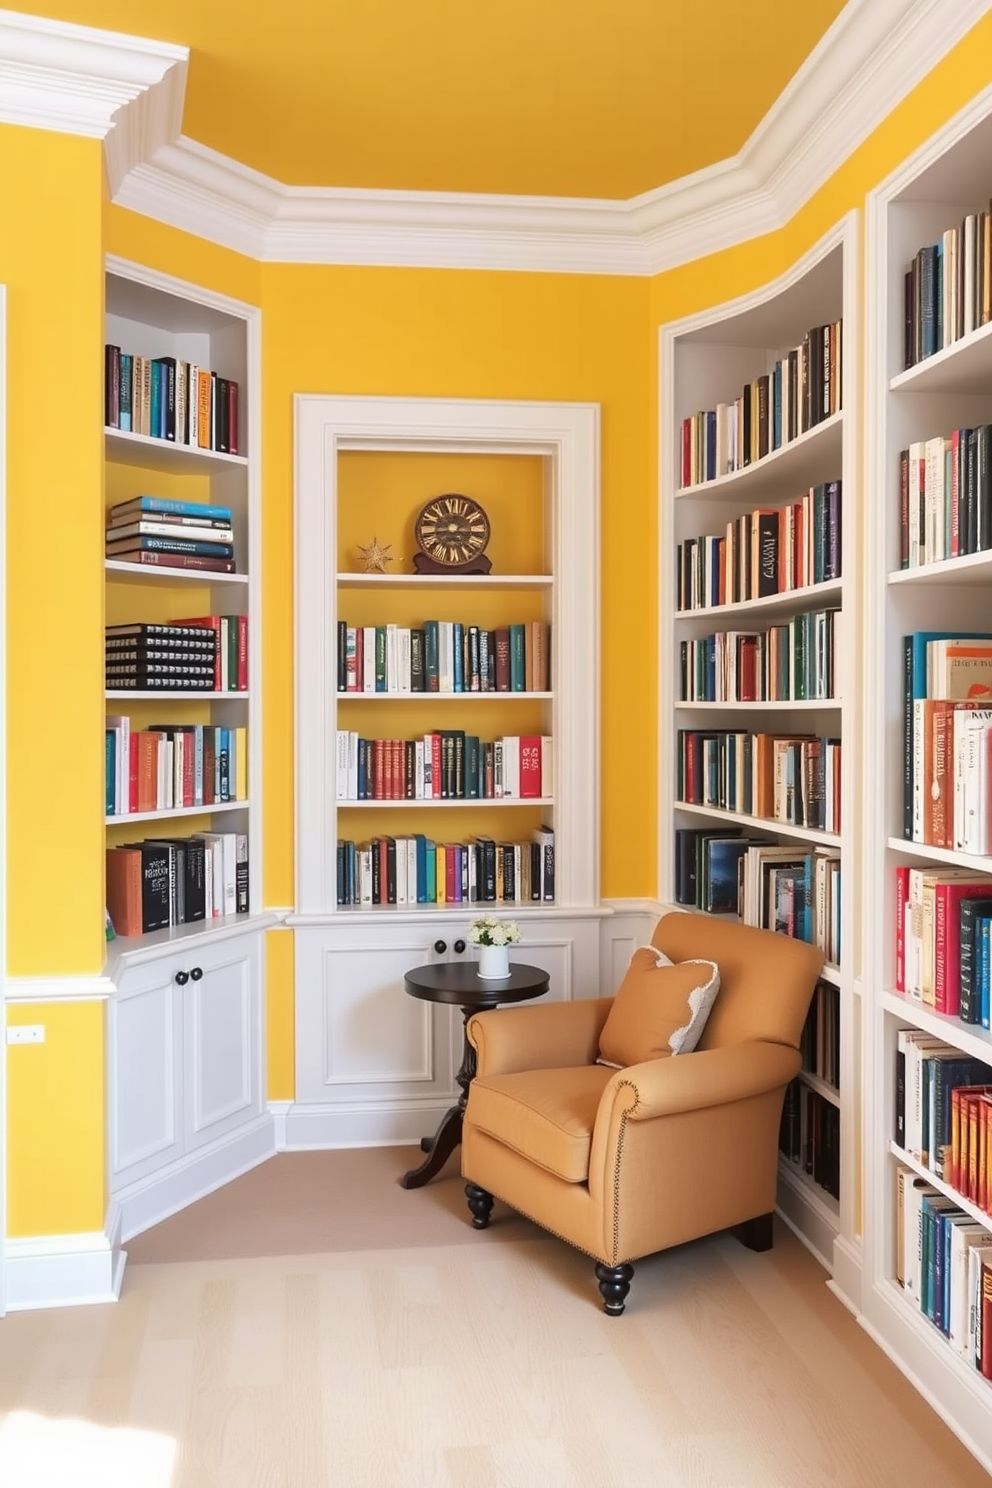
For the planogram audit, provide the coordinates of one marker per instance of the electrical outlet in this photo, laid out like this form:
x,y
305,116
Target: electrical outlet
x,y
26,1033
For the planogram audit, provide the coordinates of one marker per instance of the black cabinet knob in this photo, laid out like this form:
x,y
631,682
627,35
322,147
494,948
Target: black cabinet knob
x,y
440,946
182,977
196,973
459,947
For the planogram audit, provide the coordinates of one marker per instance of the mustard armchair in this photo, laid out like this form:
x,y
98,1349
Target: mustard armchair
x,y
625,1162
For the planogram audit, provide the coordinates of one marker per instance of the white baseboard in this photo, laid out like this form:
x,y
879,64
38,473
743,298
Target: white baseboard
x,y
318,1126
154,1198
804,1216
846,1282
65,1270
279,1110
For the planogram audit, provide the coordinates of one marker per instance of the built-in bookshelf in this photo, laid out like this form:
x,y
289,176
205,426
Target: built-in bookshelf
x,y
463,739
927,865
758,718
182,697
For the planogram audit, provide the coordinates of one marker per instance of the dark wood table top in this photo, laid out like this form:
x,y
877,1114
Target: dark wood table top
x,y
458,982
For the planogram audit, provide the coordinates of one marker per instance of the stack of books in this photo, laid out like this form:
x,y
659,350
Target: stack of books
x,y
171,534
160,658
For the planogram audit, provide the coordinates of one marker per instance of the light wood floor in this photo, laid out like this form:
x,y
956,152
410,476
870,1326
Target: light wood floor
x,y
405,1350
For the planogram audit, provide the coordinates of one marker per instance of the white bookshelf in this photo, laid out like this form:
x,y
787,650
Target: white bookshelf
x,y
949,177
705,359
186,1106
373,1064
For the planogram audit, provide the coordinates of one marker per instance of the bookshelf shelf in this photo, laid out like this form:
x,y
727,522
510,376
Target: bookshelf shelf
x,y
167,695
922,208
762,824
829,1092
971,1040
807,489
437,697
181,811
779,705
782,473
471,803
137,573
161,455
794,600
970,568
476,582
963,367
909,1161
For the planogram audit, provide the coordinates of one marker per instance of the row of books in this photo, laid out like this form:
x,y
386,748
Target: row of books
x,y
775,886
159,512
169,398
206,653
802,389
948,288
819,1042
944,769
809,1135
447,764
419,870
444,656
770,550
794,779
945,496
796,661
944,1264
943,1110
158,883
942,949
168,766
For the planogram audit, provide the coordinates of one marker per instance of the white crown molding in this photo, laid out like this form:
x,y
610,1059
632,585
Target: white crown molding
x,y
78,80
131,91
872,56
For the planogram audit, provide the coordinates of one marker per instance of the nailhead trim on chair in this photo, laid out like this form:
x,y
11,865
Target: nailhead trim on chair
x,y
616,1175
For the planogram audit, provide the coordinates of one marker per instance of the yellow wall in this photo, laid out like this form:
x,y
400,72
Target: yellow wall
x,y
326,329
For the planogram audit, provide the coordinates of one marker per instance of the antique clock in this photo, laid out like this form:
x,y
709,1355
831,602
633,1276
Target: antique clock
x,y
452,532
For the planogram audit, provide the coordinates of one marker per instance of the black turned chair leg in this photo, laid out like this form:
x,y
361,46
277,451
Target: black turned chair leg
x,y
481,1204
614,1284
757,1233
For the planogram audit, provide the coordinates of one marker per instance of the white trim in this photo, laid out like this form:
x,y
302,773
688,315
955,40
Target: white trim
x,y
59,989
66,1270
872,56
279,1110
847,1272
199,1173
79,80
320,1126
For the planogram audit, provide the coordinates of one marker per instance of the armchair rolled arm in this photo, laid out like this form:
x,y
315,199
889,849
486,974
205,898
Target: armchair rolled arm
x,y
552,1035
708,1077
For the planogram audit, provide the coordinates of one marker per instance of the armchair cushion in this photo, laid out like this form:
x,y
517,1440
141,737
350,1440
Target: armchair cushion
x,y
546,1115
660,1008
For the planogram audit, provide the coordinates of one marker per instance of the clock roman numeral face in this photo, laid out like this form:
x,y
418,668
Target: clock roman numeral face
x,y
452,530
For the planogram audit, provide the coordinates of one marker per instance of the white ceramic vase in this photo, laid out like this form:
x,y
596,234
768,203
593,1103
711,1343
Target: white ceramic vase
x,y
494,962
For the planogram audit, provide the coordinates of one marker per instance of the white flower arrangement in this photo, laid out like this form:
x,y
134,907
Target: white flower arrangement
x,y
490,930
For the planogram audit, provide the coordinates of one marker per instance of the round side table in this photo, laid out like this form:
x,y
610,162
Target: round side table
x,y
459,983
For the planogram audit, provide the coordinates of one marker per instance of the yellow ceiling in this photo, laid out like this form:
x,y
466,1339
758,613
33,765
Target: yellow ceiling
x,y
589,98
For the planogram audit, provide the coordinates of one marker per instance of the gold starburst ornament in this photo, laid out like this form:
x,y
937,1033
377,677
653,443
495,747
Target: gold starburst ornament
x,y
375,556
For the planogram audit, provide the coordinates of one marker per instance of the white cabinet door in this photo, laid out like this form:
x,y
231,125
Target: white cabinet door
x,y
184,1054
221,1040
145,1089
360,1037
